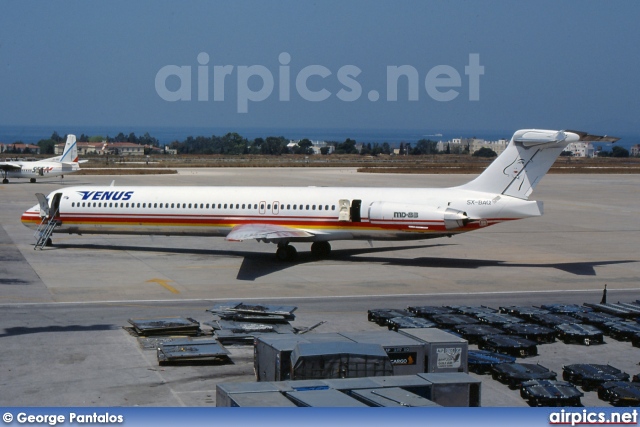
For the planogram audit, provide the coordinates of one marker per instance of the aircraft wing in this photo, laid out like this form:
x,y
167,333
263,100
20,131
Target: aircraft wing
x,y
265,231
8,166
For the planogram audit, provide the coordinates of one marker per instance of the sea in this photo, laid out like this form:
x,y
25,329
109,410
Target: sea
x,y
32,134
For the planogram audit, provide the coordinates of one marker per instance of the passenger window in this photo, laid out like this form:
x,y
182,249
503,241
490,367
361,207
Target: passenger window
x,y
225,206
255,206
110,205
294,207
172,205
207,205
319,207
326,207
313,207
333,207
269,206
184,206
243,205
307,207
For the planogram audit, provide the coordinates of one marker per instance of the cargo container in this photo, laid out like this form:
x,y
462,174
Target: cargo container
x,y
444,352
406,354
339,360
453,389
272,353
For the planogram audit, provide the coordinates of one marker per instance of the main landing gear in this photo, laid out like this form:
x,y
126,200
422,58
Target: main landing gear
x,y
288,253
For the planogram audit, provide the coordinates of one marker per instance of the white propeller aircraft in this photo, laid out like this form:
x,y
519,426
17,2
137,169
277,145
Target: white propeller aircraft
x,y
54,166
285,215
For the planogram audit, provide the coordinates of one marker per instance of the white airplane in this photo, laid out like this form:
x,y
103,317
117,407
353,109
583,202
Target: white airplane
x,y
285,215
53,166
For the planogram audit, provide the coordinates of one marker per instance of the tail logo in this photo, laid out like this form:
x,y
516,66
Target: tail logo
x,y
514,168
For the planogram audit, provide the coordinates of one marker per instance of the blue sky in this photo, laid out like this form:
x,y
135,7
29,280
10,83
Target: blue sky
x,y
546,64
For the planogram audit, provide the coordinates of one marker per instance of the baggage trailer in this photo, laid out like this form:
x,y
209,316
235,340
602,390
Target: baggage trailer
x,y
537,333
473,333
589,375
509,344
481,361
405,322
620,393
381,316
514,374
579,333
550,393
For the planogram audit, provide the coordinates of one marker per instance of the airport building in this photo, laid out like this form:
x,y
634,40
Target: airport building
x,y
581,149
20,148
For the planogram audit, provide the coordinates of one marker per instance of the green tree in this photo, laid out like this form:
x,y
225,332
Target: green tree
x,y
56,137
347,147
619,152
233,143
47,146
304,147
485,152
425,146
274,145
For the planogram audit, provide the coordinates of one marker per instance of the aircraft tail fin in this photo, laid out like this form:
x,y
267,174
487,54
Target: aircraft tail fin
x,y
70,153
527,158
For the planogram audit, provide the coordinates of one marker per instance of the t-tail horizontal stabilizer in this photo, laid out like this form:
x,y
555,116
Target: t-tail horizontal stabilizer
x,y
527,158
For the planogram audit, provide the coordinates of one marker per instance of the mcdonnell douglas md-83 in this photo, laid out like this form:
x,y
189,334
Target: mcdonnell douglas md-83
x,y
54,166
286,215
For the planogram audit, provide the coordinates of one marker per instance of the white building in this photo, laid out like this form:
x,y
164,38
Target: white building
x,y
581,149
497,146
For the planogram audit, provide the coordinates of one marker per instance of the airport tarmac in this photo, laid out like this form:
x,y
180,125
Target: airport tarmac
x,y
62,308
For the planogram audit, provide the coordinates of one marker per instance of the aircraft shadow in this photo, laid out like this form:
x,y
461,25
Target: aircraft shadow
x,y
260,264
24,330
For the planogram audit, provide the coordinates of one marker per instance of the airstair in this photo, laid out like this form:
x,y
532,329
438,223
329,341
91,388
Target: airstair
x,y
50,220
44,231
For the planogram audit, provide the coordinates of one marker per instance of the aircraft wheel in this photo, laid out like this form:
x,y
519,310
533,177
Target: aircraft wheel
x,y
320,249
5,181
281,254
49,242
292,253
286,253
32,180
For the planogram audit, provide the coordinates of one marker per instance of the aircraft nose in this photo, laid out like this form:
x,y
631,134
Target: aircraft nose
x,y
31,217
